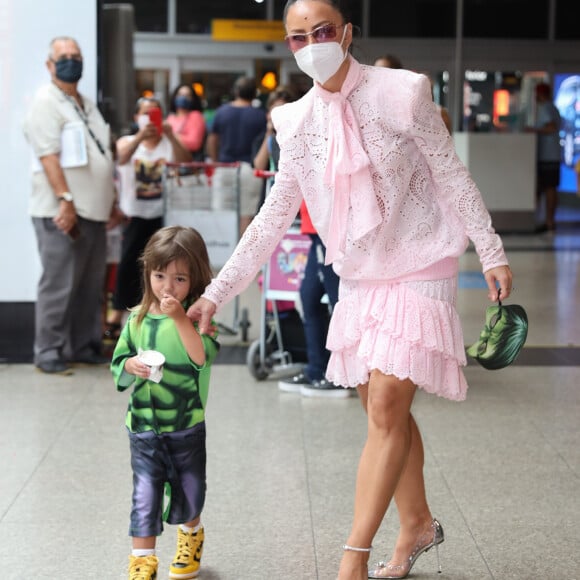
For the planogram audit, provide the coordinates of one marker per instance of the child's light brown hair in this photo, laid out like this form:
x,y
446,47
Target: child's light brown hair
x,y
167,245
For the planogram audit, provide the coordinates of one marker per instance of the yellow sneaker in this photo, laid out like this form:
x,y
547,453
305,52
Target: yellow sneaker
x,y
188,556
143,567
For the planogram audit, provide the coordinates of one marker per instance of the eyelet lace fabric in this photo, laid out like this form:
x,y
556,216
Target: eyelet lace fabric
x,y
409,329
397,200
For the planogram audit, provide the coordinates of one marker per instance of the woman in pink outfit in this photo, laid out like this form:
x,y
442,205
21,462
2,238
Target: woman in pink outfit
x,y
187,121
367,150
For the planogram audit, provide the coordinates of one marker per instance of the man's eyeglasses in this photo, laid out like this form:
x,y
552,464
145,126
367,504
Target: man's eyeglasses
x,y
325,33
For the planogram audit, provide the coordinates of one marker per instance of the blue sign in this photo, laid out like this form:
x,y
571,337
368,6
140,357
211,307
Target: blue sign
x,y
567,100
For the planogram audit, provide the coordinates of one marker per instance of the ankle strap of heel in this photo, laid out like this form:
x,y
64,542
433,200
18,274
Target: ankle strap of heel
x,y
354,549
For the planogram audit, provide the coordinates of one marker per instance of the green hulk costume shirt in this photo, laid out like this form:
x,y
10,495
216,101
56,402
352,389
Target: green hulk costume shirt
x,y
178,401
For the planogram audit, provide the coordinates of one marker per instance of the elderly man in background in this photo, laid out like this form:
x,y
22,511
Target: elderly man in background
x,y
72,200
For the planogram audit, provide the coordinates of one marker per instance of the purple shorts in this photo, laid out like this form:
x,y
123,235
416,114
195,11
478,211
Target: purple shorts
x,y
176,458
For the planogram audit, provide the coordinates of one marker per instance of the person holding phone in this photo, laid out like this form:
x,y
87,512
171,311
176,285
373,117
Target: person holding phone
x,y
141,161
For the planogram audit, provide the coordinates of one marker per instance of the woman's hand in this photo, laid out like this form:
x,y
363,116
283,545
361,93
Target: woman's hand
x,y
503,276
167,129
202,311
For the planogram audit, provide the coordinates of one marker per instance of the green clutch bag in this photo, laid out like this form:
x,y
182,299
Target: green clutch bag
x,y
502,337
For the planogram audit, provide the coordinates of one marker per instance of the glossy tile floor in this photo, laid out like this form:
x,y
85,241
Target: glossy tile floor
x,y
502,468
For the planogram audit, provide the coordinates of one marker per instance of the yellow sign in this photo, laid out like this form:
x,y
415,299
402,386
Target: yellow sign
x,y
251,30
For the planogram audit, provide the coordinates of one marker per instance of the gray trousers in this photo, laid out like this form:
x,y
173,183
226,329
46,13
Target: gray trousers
x,y
68,314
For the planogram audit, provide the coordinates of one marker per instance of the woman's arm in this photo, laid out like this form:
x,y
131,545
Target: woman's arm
x,y
452,182
212,146
180,153
258,242
262,157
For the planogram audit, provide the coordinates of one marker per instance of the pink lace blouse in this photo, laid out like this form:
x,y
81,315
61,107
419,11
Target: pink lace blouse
x,y
384,187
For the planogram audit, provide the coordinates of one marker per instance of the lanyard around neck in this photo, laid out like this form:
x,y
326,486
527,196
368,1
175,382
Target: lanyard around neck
x,y
84,119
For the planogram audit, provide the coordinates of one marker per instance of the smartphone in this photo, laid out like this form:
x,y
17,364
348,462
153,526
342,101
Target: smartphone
x,y
156,118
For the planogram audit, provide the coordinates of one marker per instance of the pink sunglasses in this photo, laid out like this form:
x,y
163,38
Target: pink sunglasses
x,y
325,33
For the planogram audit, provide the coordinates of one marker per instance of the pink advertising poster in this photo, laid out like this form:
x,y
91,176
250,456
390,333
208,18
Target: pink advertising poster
x,y
286,268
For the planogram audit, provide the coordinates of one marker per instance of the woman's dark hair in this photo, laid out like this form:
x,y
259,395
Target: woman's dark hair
x,y
339,5
195,100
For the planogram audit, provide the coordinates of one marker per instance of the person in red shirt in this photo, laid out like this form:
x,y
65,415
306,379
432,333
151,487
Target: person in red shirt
x,y
319,281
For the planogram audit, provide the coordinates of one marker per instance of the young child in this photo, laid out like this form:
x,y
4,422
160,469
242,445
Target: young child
x,y
166,415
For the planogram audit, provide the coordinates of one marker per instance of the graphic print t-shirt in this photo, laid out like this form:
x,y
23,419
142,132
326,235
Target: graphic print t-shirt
x,y
141,180
148,178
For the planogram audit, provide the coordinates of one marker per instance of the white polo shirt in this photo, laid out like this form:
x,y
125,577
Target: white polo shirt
x,y
91,184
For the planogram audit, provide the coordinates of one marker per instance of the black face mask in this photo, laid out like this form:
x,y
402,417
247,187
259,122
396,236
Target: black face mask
x,y
69,70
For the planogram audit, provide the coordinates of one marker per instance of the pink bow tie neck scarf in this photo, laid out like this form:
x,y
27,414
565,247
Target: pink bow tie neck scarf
x,y
348,171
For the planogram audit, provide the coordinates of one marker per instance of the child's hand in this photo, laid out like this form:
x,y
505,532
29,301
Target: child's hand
x,y
135,367
171,306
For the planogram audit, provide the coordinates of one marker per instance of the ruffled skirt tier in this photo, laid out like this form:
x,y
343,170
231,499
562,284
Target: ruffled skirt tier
x,y
407,329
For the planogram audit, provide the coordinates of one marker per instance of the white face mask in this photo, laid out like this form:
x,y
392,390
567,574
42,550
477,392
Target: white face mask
x,y
321,60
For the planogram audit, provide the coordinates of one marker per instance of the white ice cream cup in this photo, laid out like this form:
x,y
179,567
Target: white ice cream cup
x,y
154,360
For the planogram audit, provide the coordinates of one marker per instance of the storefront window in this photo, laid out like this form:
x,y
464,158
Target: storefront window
x,y
153,83
412,18
506,19
492,101
524,19
482,18
568,20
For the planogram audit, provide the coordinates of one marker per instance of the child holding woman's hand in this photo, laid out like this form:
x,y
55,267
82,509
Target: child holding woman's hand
x,y
166,418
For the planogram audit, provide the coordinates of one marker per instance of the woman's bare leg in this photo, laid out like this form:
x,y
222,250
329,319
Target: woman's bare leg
x,y
387,401
414,515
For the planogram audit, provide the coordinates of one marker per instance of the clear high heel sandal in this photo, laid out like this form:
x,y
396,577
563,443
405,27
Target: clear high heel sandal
x,y
425,542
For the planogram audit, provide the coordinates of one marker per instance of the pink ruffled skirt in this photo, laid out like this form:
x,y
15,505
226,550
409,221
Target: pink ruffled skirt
x,y
407,329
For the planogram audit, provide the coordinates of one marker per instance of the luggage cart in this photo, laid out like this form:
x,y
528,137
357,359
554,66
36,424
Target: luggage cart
x,y
280,348
190,200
